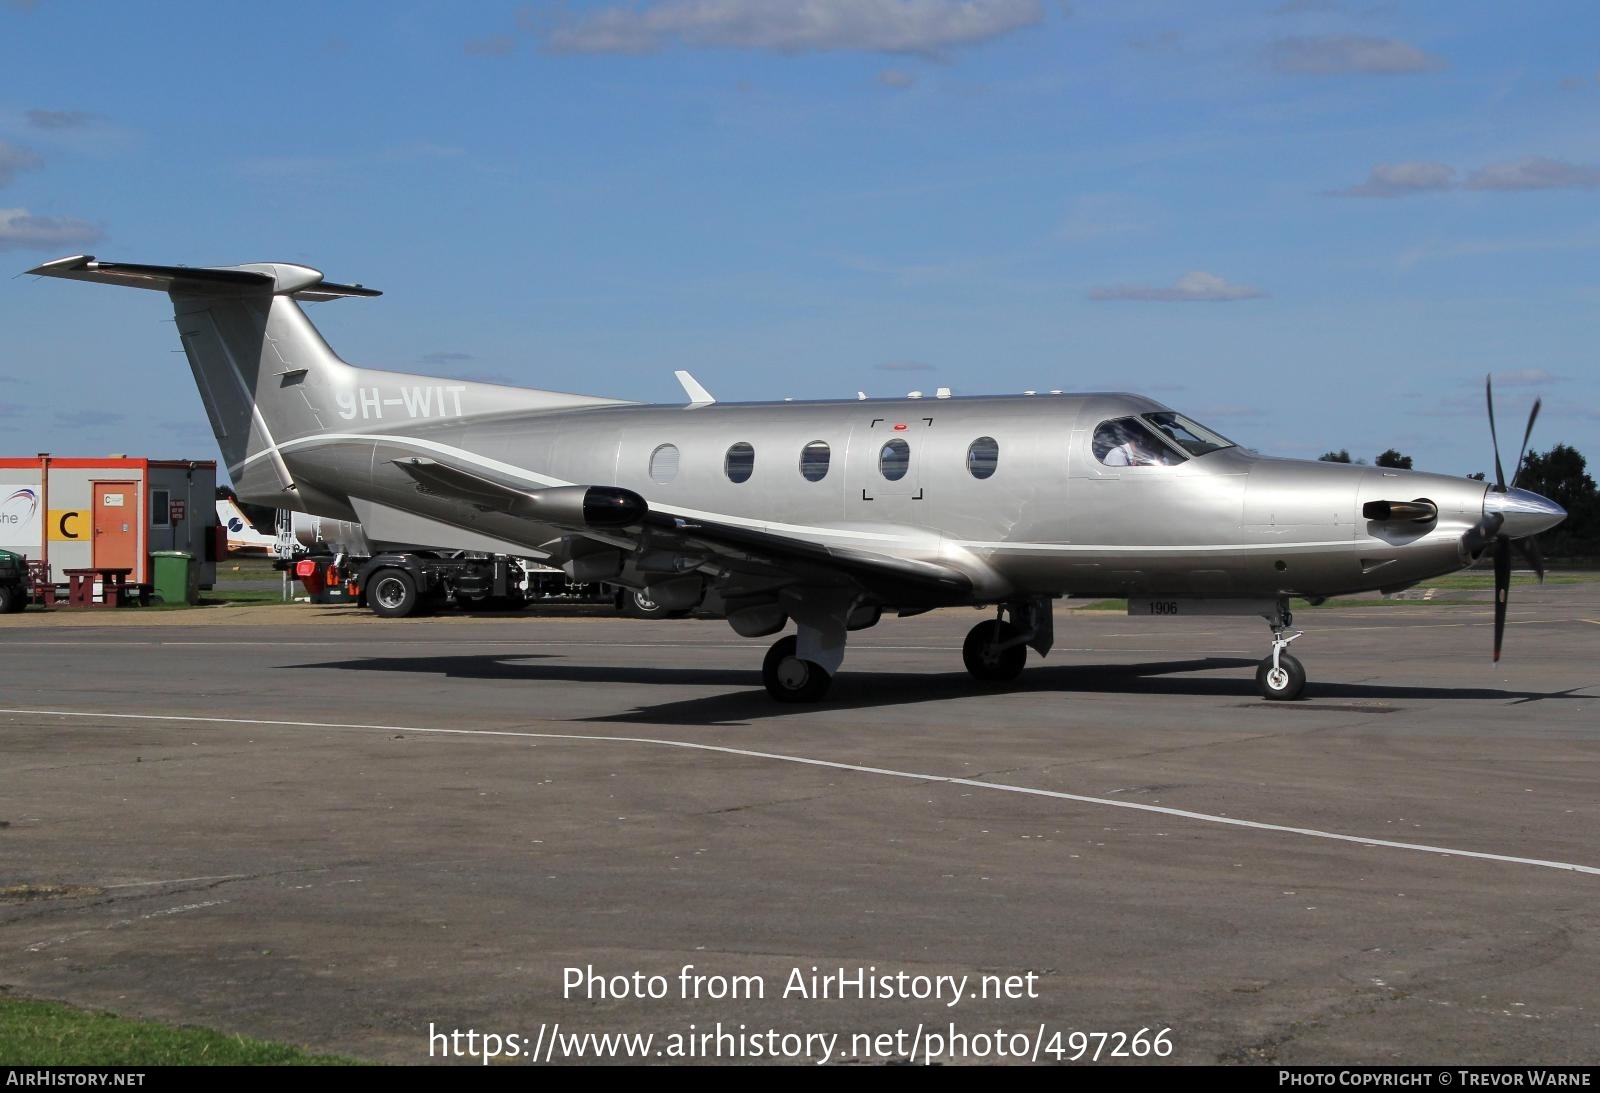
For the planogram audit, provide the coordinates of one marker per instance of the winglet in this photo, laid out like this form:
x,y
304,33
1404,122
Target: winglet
x,y
698,395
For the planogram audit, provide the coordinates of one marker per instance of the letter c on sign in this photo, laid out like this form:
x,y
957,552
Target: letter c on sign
x,y
66,518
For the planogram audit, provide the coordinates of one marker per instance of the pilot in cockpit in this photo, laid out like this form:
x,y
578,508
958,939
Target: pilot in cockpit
x,y
1124,444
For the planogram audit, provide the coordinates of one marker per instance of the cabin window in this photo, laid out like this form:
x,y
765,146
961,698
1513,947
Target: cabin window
x,y
983,456
664,464
160,508
894,459
814,461
1129,442
740,462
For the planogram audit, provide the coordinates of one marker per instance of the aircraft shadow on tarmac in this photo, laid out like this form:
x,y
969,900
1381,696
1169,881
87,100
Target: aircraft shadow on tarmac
x,y
868,690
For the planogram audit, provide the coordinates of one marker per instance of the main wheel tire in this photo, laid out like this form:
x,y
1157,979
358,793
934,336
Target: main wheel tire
x,y
11,599
790,679
988,663
392,594
1283,683
637,605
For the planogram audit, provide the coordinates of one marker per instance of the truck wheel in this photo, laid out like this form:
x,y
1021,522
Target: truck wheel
x,y
11,599
392,594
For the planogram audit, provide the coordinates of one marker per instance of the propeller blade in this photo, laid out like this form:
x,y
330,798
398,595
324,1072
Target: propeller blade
x,y
1516,471
1502,589
1499,471
1529,549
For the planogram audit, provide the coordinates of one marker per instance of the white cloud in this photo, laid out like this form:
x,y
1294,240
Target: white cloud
x,y
1340,54
1196,287
1535,173
1526,377
59,119
787,26
1402,180
14,160
21,230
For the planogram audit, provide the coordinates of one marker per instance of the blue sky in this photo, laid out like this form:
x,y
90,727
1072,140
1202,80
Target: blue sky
x,y
1310,225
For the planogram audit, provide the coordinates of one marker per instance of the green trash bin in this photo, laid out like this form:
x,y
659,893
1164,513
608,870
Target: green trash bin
x,y
176,577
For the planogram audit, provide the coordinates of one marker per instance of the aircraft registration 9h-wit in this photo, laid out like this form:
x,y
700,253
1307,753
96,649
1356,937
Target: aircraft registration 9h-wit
x,y
829,514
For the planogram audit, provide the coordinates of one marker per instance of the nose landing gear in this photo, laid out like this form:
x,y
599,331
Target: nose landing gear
x,y
1280,677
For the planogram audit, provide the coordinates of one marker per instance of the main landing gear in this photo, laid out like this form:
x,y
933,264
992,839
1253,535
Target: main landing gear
x,y
1281,677
800,667
790,679
996,651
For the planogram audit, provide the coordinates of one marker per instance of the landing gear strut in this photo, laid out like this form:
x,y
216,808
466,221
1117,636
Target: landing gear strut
x,y
1281,677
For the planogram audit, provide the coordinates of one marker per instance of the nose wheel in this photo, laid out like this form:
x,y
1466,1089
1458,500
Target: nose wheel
x,y
1282,681
790,679
1280,677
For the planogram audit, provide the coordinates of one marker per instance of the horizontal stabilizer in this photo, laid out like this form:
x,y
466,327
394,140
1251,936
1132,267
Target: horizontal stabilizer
x,y
278,278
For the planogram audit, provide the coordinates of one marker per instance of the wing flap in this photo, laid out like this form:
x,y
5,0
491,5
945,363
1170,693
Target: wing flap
x,y
895,579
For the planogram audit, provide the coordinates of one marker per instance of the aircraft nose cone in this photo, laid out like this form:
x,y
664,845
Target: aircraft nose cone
x,y
1525,512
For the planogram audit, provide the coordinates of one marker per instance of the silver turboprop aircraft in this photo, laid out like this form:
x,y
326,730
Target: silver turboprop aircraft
x,y
828,514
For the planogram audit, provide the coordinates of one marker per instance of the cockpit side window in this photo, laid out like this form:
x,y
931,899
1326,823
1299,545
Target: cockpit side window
x,y
1191,436
1129,442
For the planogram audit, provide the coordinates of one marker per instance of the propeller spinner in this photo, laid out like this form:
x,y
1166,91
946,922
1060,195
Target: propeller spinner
x,y
1511,517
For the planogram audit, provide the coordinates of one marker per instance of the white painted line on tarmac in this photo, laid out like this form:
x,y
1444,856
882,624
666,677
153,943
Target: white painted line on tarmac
x,y
175,880
882,772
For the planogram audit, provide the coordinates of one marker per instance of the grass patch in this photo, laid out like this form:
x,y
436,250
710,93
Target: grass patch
x,y
51,1034
1382,601
1484,582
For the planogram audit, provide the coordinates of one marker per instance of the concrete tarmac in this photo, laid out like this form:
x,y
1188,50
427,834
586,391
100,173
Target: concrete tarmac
x,y
312,825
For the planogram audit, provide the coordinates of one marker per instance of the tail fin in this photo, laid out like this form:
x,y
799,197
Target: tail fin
x,y
268,379
256,358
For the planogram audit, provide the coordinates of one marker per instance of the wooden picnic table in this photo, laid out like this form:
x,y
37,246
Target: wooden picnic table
x,y
113,583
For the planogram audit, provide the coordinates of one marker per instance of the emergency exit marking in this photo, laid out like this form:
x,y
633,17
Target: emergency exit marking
x,y
111,500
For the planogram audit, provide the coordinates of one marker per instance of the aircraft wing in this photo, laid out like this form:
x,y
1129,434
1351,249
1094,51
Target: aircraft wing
x,y
894,579
617,516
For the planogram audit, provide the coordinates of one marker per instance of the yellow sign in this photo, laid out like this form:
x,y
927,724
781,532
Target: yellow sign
x,y
68,525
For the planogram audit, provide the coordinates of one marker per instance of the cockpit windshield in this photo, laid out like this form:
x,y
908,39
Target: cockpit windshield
x,y
1191,436
1129,442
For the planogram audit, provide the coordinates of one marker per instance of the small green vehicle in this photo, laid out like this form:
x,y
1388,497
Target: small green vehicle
x,y
13,582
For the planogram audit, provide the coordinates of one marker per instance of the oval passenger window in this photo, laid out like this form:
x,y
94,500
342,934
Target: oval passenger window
x,y
664,464
740,462
814,461
894,459
983,457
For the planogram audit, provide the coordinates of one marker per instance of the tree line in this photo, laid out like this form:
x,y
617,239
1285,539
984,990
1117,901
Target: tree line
x,y
1560,474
